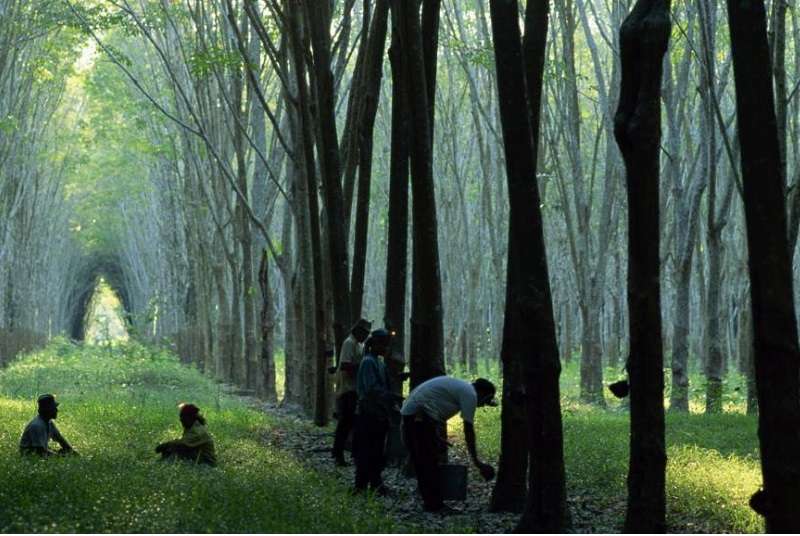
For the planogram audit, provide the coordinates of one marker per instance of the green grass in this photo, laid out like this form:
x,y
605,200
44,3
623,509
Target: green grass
x,y
712,468
116,405
119,402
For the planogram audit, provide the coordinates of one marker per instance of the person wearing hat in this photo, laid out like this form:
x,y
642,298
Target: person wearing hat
x,y
346,398
429,406
38,433
376,403
196,444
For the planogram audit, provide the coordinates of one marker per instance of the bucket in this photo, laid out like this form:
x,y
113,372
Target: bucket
x,y
453,480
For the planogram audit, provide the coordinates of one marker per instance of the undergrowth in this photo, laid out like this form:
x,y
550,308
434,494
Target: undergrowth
x,y
119,402
116,405
712,460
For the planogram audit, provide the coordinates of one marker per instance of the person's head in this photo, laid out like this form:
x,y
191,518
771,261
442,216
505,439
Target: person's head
x,y
378,342
48,407
361,329
189,413
485,391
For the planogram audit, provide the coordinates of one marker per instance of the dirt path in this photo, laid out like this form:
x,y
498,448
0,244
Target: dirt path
x,y
312,446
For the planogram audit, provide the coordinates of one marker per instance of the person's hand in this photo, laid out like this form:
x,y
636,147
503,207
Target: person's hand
x,y
486,470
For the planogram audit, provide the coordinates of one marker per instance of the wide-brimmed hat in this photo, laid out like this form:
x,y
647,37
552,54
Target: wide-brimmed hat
x,y
363,324
47,401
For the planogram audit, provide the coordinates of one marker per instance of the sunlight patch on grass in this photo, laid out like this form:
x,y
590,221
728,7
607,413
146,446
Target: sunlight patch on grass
x,y
116,406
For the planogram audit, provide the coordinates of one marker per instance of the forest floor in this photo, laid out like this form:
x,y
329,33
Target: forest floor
x,y
275,473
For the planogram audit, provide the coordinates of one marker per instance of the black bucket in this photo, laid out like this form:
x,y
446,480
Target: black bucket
x,y
453,480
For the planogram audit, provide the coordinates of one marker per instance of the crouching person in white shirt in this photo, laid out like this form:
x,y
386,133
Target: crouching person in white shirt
x,y
429,405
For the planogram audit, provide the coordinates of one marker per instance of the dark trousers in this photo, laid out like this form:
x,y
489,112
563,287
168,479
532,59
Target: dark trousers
x,y
369,442
345,415
174,451
423,445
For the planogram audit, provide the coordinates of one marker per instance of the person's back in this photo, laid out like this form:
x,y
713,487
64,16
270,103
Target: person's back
x,y
36,436
441,398
195,444
197,437
41,429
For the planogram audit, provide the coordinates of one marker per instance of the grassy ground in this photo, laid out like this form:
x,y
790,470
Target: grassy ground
x,y
712,466
118,403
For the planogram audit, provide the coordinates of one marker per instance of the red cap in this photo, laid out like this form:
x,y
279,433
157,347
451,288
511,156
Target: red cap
x,y
189,409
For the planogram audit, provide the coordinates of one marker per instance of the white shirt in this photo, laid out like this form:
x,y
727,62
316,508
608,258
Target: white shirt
x,y
352,352
441,398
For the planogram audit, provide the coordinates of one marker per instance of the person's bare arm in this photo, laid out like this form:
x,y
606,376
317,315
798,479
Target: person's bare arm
x,y
486,470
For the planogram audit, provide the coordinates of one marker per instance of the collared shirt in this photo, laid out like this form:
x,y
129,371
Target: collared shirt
x,y
371,376
38,433
441,398
351,353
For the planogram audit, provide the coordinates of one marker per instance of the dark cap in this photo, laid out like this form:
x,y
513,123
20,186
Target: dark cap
x,y
47,401
380,335
485,388
362,323
189,409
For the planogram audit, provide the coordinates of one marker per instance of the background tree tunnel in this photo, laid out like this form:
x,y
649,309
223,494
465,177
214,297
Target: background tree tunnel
x,y
85,285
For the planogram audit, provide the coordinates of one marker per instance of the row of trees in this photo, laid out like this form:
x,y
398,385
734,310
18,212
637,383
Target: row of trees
x,y
245,134
176,55
37,251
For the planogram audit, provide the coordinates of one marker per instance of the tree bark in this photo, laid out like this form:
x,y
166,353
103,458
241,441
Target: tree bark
x,y
372,84
397,247
529,321
777,357
427,340
306,154
267,368
319,18
644,37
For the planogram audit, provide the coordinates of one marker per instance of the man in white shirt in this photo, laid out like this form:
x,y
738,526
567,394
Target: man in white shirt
x,y
38,433
430,405
346,399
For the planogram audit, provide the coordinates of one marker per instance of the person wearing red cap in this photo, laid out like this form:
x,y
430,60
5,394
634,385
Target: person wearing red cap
x,y
196,444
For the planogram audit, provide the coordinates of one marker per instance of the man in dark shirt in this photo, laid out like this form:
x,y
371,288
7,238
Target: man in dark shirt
x,y
38,433
375,401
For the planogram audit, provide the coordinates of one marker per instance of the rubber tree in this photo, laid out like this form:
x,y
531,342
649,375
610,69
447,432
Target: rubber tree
x,y
776,353
529,334
644,37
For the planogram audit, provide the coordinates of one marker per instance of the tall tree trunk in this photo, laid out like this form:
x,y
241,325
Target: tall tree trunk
x,y
397,240
427,340
679,395
306,154
777,357
372,84
319,18
529,321
644,37
267,368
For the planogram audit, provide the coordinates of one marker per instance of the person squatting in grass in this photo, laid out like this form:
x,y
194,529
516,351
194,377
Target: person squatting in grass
x,y
376,406
38,433
429,406
196,444
350,356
